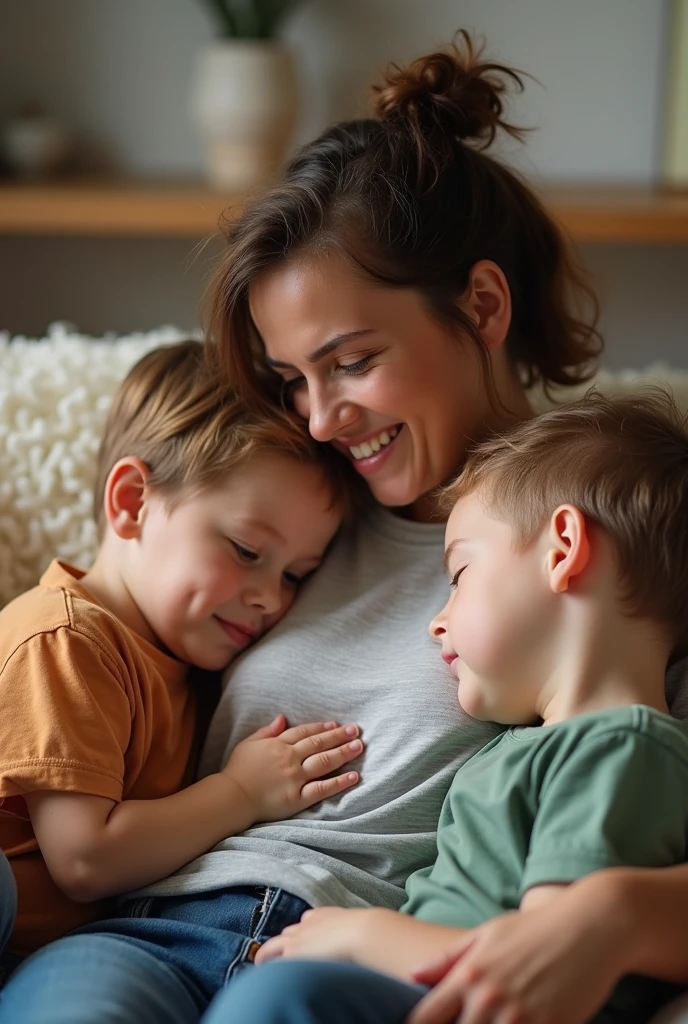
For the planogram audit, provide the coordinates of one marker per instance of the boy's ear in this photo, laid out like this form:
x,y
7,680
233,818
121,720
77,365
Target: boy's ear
x,y
488,302
124,496
569,550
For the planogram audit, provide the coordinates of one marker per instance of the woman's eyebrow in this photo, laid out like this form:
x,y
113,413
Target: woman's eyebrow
x,y
324,350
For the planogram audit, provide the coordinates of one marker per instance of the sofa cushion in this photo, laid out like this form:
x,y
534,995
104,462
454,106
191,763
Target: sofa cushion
x,y
54,395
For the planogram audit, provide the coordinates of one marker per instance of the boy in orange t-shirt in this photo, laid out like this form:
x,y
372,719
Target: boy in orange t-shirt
x,y
210,517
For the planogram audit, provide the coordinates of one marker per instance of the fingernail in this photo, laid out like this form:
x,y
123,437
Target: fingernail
x,y
356,746
330,725
351,730
352,776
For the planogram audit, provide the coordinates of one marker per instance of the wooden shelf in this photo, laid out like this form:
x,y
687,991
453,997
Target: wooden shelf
x,y
169,210
621,216
130,209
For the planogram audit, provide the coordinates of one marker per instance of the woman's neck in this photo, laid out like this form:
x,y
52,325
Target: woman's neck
x,y
509,405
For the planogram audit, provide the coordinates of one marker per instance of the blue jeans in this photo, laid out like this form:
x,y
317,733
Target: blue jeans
x,y
315,992
163,964
342,993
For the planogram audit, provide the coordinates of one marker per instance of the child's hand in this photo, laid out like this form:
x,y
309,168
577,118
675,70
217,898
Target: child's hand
x,y
550,965
328,933
280,770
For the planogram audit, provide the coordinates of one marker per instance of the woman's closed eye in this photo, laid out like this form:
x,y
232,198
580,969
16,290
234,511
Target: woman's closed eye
x,y
357,368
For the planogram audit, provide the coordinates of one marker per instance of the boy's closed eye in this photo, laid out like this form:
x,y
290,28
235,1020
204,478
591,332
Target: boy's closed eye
x,y
243,552
454,582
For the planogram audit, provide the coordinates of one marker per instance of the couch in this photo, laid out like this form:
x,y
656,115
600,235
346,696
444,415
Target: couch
x,y
54,395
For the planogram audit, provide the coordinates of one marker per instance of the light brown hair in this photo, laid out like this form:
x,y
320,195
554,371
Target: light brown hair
x,y
623,462
413,200
172,412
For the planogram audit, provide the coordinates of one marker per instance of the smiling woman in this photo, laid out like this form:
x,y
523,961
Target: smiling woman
x,y
399,287
396,391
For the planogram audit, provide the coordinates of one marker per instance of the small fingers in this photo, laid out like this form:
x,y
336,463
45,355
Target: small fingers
x,y
270,950
327,739
321,789
298,733
328,761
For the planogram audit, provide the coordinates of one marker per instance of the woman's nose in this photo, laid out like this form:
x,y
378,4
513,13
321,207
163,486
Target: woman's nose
x,y
327,414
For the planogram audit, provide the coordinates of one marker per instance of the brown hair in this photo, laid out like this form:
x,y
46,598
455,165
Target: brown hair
x,y
623,461
191,430
412,199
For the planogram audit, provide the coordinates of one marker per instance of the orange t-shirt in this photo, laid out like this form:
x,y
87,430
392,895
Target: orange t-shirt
x,y
86,706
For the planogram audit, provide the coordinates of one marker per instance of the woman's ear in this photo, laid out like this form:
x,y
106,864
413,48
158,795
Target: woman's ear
x,y
488,302
124,496
569,547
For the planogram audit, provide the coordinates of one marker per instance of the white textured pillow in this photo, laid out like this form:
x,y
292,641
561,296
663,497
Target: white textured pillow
x,y
54,395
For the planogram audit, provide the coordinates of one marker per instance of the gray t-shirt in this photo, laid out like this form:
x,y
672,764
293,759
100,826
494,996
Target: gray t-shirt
x,y
354,648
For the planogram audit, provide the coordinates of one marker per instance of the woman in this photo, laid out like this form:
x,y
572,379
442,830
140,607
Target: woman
x,y
400,288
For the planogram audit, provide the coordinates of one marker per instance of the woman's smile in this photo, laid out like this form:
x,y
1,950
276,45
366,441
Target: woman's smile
x,y
372,451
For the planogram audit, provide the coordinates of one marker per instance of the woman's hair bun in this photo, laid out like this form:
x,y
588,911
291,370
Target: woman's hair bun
x,y
452,90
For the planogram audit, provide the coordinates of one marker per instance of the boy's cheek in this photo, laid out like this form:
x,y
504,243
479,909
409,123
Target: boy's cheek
x,y
272,620
472,698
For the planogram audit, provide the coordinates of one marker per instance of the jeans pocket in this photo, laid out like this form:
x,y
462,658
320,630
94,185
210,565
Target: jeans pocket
x,y
141,907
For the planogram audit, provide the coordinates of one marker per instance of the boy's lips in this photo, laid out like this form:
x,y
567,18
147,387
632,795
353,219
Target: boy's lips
x,y
239,635
452,660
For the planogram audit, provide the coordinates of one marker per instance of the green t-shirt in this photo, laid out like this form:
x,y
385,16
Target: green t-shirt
x,y
552,804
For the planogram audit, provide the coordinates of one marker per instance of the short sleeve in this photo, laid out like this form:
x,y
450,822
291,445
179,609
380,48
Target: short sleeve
x,y
618,798
66,717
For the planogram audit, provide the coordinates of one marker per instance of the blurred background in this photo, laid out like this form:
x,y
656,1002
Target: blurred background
x,y
108,185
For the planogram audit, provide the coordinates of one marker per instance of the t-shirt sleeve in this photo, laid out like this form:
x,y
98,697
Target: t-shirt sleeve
x,y
620,798
66,717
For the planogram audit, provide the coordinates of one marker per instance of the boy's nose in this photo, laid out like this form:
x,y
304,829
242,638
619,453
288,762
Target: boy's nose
x,y
267,597
436,629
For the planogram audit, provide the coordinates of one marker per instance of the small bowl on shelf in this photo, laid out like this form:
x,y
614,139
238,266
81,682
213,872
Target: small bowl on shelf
x,y
34,146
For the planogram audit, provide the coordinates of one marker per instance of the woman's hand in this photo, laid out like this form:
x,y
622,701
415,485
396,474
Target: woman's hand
x,y
328,933
279,770
553,964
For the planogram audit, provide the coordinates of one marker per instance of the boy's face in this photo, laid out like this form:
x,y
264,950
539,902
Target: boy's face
x,y
218,569
494,627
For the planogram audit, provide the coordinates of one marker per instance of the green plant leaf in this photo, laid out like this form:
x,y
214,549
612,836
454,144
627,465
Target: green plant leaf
x,y
221,11
250,19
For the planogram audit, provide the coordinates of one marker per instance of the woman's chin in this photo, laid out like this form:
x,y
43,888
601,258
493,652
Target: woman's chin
x,y
394,494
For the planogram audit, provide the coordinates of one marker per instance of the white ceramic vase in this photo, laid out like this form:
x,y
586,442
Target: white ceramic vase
x,y
244,103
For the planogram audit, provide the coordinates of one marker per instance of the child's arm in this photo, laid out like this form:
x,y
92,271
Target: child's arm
x,y
383,940
95,847
539,965
607,924
616,922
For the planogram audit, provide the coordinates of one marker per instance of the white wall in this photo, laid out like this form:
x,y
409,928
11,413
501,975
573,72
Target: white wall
x,y
119,72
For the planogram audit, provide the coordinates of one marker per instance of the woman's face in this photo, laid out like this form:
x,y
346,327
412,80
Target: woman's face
x,y
372,373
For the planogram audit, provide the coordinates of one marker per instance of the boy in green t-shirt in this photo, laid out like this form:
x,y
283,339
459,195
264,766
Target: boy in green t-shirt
x,y
567,550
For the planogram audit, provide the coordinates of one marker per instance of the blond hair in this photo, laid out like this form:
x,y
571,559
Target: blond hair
x,y
175,414
623,462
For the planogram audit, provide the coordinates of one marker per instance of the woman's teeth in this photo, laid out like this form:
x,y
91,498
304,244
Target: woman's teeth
x,y
373,444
